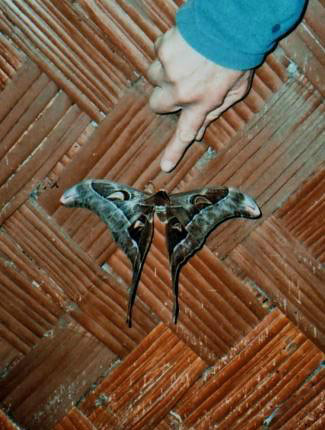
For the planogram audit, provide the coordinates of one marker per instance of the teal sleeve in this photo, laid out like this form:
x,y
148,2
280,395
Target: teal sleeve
x,y
237,33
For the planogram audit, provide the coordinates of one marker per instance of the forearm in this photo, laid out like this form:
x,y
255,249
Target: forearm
x,y
237,33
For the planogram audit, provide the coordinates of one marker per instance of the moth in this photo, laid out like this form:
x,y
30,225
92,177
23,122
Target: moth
x,y
189,218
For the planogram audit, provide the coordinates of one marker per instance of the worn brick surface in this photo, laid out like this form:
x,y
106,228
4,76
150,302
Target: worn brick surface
x,y
247,351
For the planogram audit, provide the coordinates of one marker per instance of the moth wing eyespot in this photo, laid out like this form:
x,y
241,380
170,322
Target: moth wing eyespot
x,y
177,226
108,192
119,195
201,201
139,224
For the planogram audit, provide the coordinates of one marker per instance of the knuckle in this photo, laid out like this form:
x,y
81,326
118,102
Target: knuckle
x,y
169,75
157,42
155,73
162,53
216,98
181,93
152,103
154,100
151,72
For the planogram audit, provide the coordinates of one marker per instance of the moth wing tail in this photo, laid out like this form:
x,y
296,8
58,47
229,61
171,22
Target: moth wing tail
x,y
133,291
175,274
141,233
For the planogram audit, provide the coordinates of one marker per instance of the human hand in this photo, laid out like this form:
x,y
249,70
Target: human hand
x,y
185,80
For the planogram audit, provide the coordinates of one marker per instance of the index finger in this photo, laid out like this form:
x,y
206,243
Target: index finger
x,y
189,124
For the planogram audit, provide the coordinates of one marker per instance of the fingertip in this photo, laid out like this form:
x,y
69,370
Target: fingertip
x,y
167,165
173,153
175,149
200,133
161,100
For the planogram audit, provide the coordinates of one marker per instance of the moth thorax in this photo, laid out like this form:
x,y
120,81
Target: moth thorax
x,y
160,208
161,198
161,212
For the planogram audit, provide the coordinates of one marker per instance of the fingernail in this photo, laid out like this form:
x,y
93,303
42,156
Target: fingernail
x,y
166,165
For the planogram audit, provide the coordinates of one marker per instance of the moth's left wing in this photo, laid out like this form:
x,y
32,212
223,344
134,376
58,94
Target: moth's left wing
x,y
130,224
191,216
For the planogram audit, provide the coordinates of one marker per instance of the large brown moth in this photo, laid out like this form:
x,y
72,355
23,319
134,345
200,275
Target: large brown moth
x,y
189,218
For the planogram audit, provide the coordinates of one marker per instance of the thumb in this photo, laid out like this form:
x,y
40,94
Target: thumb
x,y
189,123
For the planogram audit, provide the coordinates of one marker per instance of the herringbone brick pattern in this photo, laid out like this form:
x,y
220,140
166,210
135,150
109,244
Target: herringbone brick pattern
x,y
246,352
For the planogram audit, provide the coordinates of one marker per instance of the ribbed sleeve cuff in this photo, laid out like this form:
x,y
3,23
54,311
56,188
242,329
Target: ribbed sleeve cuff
x,y
215,49
234,33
